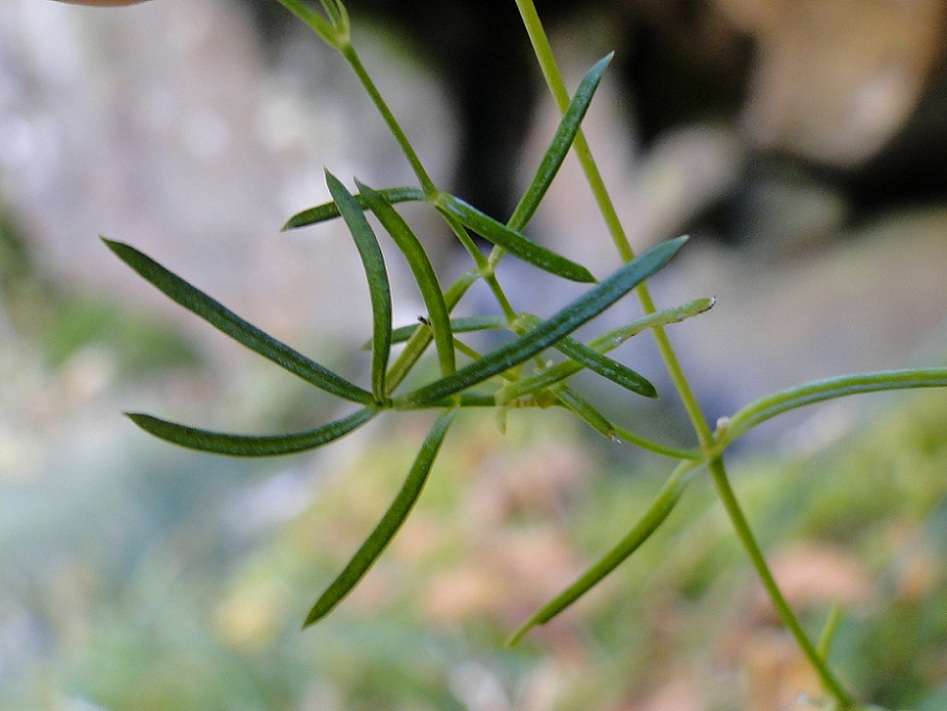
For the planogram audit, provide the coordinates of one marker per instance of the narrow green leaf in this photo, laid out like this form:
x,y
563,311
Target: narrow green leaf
x,y
614,338
386,529
248,445
602,344
821,390
659,509
422,337
607,368
245,333
379,288
599,363
549,332
511,240
586,412
330,211
424,274
559,148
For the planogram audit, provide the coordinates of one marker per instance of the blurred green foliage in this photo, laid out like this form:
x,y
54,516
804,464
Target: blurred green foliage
x,y
61,322
504,519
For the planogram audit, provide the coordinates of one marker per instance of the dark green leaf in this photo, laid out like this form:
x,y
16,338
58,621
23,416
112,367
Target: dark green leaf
x,y
549,332
377,275
559,148
602,344
249,445
598,362
386,529
424,274
330,211
247,334
511,240
606,367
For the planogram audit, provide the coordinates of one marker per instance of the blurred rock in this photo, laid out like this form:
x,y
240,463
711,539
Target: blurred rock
x,y
834,81
159,125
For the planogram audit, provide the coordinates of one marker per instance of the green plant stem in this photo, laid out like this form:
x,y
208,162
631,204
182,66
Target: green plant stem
x,y
553,77
727,496
593,175
554,80
430,189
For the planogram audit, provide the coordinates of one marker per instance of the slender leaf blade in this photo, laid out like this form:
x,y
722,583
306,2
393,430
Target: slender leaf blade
x,y
607,367
421,338
821,390
584,410
376,273
560,145
659,509
675,314
511,240
235,445
389,525
597,362
424,274
597,421
248,335
330,211
549,332
602,344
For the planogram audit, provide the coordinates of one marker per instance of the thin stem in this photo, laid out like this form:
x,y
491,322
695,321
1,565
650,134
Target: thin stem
x,y
553,76
745,534
557,87
483,264
422,337
430,190
627,435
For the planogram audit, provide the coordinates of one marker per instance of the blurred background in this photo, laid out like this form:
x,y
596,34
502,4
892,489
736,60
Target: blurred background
x,y
802,146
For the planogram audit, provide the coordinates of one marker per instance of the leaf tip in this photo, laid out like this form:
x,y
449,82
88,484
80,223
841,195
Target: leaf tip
x,y
111,244
312,618
517,636
584,276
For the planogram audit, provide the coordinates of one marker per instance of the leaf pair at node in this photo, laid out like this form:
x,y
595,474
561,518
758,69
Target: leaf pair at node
x,y
458,385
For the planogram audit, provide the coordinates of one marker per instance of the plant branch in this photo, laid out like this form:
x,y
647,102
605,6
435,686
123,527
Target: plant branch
x,y
722,483
557,87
